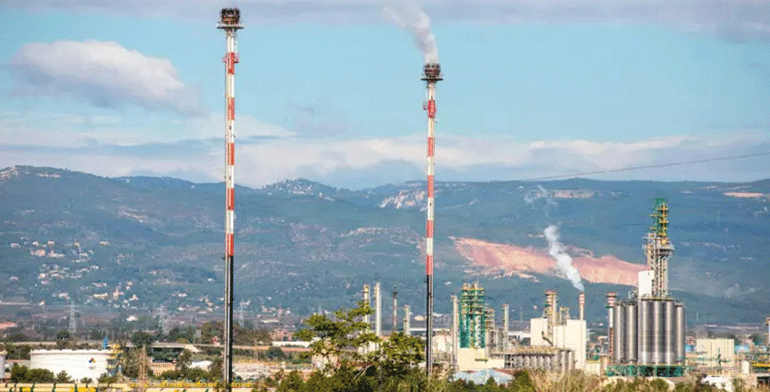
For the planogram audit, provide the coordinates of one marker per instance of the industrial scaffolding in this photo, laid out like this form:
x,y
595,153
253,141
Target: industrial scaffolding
x,y
472,316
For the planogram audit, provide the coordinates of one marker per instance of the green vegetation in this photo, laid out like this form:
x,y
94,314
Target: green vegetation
x,y
308,245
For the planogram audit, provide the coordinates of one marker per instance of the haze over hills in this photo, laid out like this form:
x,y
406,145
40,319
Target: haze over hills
x,y
144,242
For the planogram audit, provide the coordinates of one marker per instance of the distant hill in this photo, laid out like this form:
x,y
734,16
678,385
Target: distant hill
x,y
144,241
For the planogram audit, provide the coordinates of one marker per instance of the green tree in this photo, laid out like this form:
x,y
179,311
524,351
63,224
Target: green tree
x,y
338,340
183,362
171,375
142,339
86,380
292,383
40,376
274,354
400,354
19,373
107,379
63,339
63,377
216,369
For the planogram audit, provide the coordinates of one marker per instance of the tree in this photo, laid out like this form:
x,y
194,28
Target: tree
x,y
86,380
63,377
142,339
63,339
292,383
40,376
183,362
216,369
19,373
400,354
338,340
107,379
274,354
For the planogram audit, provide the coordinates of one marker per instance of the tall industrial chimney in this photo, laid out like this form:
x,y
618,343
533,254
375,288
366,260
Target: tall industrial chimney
x,y
611,298
395,310
582,304
368,302
407,317
230,22
506,327
455,330
431,75
377,310
767,322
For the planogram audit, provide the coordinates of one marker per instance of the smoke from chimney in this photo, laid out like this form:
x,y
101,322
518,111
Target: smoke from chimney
x,y
408,16
563,260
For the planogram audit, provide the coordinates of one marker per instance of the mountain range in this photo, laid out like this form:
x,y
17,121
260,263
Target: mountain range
x,y
146,242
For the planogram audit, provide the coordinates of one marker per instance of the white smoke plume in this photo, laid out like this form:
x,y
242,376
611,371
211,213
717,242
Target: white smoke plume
x,y
563,260
409,16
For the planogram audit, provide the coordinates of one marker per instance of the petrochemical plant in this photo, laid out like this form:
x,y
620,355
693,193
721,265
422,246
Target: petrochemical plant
x,y
644,334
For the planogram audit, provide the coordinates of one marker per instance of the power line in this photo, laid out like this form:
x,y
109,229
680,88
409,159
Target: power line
x,y
759,154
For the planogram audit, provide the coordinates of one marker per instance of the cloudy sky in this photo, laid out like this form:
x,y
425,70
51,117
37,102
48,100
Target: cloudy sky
x,y
330,90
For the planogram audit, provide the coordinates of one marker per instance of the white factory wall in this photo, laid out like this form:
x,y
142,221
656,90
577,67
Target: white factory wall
x,y
537,328
2,366
77,363
572,335
476,359
442,342
644,285
710,351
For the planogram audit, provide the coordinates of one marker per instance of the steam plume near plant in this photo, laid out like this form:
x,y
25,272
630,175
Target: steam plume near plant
x,y
563,260
408,16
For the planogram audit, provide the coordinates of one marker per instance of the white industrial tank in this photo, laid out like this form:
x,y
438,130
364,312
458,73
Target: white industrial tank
x,y
78,364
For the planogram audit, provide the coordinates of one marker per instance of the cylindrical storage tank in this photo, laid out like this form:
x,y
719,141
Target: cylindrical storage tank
x,y
657,332
631,332
669,333
570,360
681,330
77,363
2,367
620,333
644,332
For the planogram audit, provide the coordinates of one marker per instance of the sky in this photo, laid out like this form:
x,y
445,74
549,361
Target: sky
x,y
331,90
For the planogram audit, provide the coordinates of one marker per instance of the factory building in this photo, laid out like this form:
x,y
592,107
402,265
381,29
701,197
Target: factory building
x,y
646,332
715,354
556,330
469,329
558,342
77,363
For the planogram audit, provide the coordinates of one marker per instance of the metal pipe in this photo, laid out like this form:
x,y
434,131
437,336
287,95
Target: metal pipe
x,y
505,326
395,310
377,310
407,316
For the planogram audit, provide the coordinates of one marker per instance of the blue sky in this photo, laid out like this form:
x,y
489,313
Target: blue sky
x,y
330,90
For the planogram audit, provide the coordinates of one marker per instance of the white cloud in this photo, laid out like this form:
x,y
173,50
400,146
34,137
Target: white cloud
x,y
103,74
369,162
739,19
